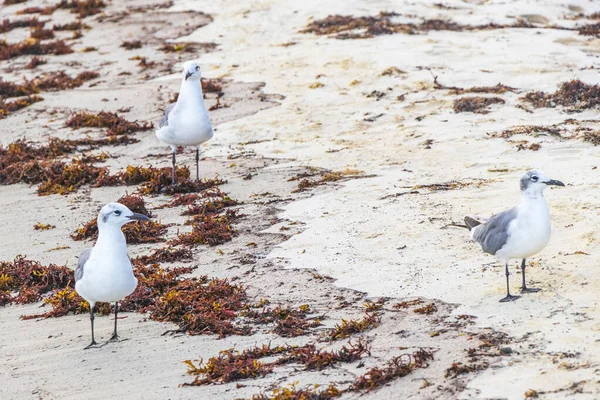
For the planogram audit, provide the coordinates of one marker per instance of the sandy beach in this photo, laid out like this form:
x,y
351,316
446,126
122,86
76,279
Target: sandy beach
x,y
351,161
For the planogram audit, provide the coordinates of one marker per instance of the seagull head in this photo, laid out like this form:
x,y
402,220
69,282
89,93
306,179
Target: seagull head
x,y
190,70
117,215
534,182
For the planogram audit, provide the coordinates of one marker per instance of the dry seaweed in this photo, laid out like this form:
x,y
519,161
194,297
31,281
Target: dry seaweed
x,y
83,8
115,124
32,47
459,368
52,81
293,392
34,62
478,105
325,177
9,107
231,365
71,26
288,322
397,367
11,2
212,230
349,27
40,33
349,327
7,25
25,281
131,44
574,96
43,227
164,254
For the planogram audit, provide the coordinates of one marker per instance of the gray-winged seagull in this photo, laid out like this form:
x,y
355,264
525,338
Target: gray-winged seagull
x,y
186,122
520,232
104,273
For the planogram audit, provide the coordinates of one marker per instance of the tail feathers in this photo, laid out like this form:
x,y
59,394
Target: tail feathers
x,y
471,223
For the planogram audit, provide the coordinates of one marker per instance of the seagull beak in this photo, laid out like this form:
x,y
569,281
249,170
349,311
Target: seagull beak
x,y
554,182
187,75
138,217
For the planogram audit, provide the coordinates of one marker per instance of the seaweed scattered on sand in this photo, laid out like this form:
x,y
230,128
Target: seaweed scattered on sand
x,y
459,368
7,25
115,124
397,367
478,105
32,47
288,322
71,26
231,365
40,33
349,27
25,281
168,254
43,227
131,44
34,62
574,96
187,47
325,176
9,107
11,2
49,82
294,392
211,229
347,328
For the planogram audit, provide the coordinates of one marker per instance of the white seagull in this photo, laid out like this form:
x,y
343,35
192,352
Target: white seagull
x,y
104,272
520,232
186,122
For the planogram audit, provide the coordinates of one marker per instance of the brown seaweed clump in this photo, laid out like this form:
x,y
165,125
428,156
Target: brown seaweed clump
x,y
71,26
9,107
347,328
115,124
574,96
53,81
288,322
11,2
211,229
40,33
7,25
25,281
478,105
34,62
349,27
231,365
32,47
131,44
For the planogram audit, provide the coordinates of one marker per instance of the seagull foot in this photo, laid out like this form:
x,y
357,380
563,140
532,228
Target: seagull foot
x,y
92,345
530,290
508,298
115,338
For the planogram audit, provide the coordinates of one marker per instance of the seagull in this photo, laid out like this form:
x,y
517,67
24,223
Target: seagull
x,y
186,122
104,272
520,232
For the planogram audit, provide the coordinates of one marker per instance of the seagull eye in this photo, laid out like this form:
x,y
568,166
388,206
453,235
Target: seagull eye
x,y
197,68
534,178
117,212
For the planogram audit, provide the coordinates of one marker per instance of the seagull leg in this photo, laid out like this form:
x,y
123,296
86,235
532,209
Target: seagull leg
x,y
92,321
115,337
508,297
173,171
524,288
197,160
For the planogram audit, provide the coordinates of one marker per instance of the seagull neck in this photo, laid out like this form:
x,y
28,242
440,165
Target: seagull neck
x,y
532,196
110,235
190,89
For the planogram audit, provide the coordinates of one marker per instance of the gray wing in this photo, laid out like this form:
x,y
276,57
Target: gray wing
x,y
492,235
164,120
81,263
